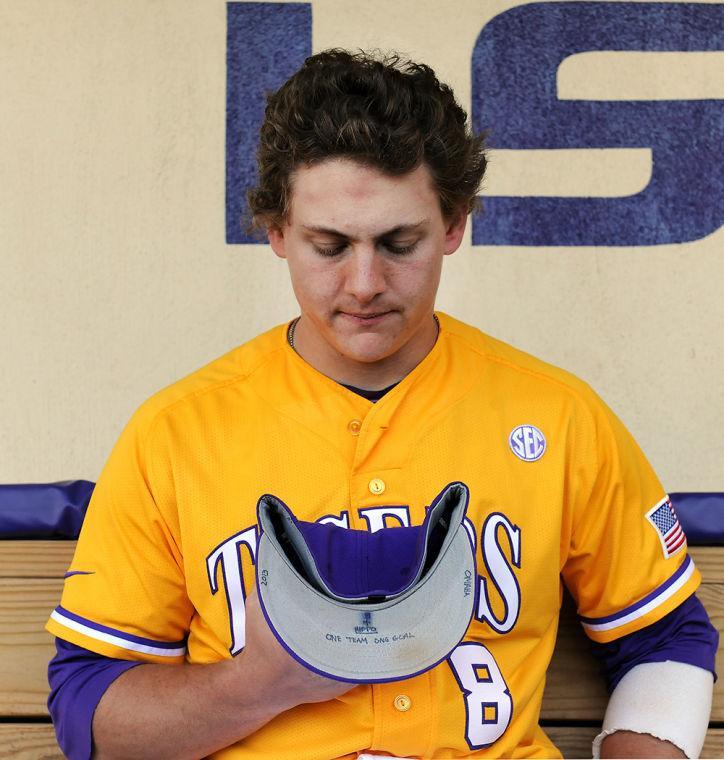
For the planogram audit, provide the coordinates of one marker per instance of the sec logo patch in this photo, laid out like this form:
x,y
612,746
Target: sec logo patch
x,y
527,443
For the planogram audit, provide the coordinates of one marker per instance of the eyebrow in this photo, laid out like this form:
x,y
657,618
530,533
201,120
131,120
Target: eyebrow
x,y
400,229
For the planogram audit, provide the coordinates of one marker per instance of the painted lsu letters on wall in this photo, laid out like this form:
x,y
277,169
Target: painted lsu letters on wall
x,y
266,44
514,68
515,91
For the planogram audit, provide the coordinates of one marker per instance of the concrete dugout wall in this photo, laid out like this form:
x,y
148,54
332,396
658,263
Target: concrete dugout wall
x,y
600,248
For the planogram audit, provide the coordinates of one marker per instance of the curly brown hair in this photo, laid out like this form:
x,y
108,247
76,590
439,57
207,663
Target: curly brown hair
x,y
380,110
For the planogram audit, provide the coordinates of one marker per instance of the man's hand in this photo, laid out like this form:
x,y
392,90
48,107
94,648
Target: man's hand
x,y
291,682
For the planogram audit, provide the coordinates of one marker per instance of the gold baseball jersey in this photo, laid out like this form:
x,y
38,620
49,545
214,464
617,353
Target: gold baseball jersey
x,y
559,493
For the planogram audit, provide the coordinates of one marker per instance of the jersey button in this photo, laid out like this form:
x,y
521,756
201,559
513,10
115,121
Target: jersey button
x,y
377,486
403,703
354,427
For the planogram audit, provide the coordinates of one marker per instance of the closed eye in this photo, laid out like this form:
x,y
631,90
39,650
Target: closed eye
x,y
333,250
400,250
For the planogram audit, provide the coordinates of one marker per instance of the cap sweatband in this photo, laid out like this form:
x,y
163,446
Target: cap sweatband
x,y
354,605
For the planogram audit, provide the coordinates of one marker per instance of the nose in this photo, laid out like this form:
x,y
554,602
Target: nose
x,y
365,274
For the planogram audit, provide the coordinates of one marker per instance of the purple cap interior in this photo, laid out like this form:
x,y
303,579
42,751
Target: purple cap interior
x,y
356,563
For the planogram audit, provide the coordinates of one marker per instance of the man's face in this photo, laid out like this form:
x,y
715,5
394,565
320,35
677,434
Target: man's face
x,y
365,252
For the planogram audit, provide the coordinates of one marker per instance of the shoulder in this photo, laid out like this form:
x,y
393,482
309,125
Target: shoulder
x,y
515,370
227,376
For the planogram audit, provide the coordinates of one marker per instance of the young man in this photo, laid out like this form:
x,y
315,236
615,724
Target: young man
x,y
359,412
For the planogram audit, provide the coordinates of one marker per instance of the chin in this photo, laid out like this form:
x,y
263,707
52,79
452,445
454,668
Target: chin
x,y
366,351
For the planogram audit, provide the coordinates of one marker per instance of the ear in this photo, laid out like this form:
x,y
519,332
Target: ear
x,y
454,230
276,241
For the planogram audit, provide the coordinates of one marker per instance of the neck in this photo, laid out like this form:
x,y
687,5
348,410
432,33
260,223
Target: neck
x,y
373,375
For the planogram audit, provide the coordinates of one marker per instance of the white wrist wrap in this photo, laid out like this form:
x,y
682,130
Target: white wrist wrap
x,y
669,700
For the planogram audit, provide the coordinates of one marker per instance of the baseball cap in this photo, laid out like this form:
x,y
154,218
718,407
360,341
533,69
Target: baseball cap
x,y
367,607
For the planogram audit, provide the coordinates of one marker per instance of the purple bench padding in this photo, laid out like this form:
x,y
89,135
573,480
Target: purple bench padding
x,y
44,510
56,510
701,516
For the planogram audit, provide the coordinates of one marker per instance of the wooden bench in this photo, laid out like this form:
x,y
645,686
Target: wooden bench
x,y
31,575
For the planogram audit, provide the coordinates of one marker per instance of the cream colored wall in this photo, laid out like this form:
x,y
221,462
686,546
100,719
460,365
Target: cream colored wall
x,y
115,278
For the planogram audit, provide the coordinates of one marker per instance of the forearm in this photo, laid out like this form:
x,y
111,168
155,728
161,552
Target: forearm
x,y
625,744
201,707
204,708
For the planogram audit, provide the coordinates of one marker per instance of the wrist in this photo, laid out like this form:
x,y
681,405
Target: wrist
x,y
269,695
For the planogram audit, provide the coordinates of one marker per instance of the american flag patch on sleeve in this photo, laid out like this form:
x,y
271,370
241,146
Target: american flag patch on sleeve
x,y
664,519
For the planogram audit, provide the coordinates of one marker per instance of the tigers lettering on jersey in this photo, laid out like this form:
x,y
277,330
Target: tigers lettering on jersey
x,y
500,573
385,517
224,566
225,559
341,520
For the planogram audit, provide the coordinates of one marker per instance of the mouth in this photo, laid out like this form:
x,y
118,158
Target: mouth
x,y
366,319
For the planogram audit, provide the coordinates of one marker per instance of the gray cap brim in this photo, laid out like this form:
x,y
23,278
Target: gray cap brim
x,y
366,643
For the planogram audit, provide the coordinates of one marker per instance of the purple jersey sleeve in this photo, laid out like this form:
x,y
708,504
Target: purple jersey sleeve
x,y
78,679
684,635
